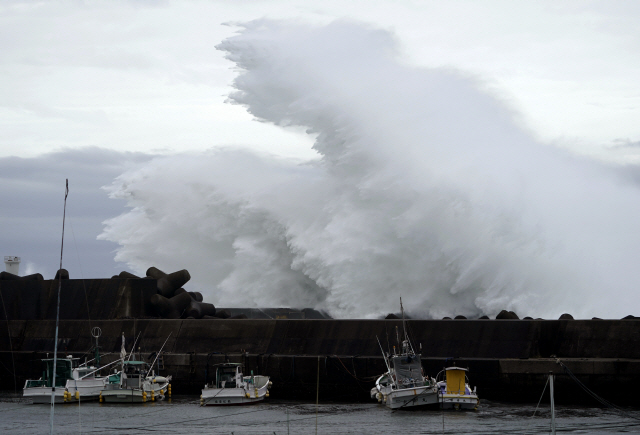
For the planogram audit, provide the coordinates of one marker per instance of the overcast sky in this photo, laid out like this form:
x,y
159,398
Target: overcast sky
x,y
92,89
145,76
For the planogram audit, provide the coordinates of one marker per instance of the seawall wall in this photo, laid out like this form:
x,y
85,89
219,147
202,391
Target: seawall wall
x,y
508,359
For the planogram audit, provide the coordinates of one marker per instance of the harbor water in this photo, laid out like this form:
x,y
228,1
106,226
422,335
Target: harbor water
x,y
183,415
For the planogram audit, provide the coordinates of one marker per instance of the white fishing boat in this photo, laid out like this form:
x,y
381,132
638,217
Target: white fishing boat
x,y
39,390
231,387
454,390
404,385
135,384
73,382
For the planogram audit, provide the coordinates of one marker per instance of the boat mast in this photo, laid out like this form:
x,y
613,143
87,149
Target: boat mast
x,y
404,327
55,342
96,332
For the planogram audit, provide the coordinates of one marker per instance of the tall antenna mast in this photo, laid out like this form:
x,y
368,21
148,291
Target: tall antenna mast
x,y
404,327
55,342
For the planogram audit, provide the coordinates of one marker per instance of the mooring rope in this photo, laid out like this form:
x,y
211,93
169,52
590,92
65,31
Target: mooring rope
x,y
594,395
543,390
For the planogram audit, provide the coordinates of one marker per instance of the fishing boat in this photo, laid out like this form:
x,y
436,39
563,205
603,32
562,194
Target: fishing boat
x,y
74,382
454,391
39,390
231,387
404,385
135,383
80,381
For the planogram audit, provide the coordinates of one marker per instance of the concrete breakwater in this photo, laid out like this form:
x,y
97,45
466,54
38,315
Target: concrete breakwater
x,y
508,359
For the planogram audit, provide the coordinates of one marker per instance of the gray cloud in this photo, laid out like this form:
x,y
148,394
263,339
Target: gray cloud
x,y
32,199
626,143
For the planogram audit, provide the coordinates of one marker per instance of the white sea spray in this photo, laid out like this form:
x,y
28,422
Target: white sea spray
x,y
425,187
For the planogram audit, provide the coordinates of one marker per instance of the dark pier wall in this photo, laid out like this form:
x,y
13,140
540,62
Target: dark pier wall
x,y
508,359
500,339
79,298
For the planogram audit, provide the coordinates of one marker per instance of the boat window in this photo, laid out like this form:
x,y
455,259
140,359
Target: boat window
x,y
227,375
63,372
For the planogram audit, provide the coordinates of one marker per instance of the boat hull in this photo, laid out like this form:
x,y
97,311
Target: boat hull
x,y
457,401
42,395
152,390
123,395
419,397
89,389
232,396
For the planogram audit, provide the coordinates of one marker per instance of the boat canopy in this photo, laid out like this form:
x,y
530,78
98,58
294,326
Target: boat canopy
x,y
456,380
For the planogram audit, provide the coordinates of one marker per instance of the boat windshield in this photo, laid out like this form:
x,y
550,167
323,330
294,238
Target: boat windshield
x,y
226,377
408,371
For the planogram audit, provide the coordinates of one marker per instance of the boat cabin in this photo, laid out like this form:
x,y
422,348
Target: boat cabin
x,y
64,370
134,374
86,372
455,382
228,375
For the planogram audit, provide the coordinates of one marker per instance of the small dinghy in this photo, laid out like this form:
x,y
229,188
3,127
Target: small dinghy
x,y
454,391
231,387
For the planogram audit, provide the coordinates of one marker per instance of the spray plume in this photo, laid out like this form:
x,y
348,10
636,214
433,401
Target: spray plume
x,y
425,187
